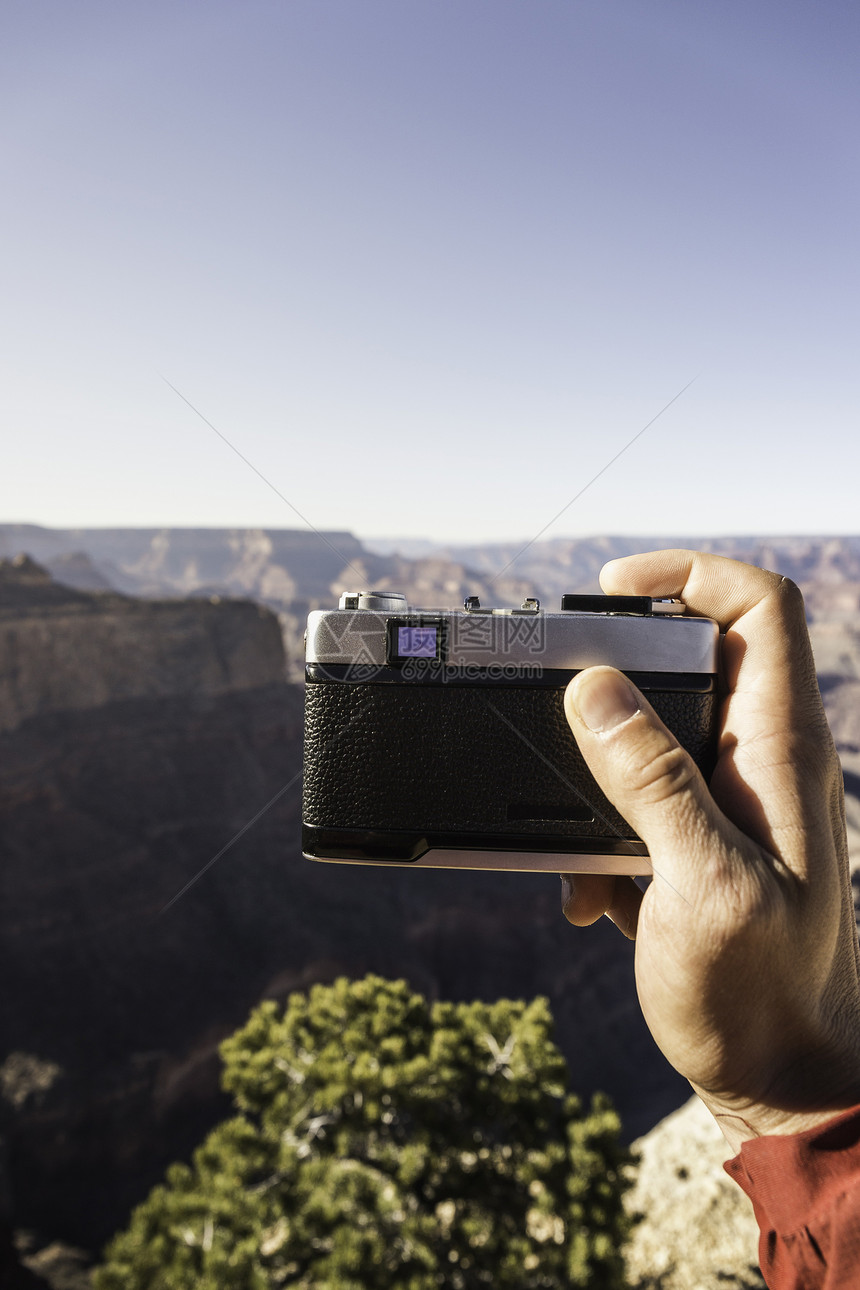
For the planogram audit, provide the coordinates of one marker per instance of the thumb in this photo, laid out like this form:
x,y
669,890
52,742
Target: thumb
x,y
645,773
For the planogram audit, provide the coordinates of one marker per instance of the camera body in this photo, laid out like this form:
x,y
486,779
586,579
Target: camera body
x,y
437,738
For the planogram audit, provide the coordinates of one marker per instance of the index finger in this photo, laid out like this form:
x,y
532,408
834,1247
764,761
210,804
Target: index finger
x,y
776,754
710,585
766,649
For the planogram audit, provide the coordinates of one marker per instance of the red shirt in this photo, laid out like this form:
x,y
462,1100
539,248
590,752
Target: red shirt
x,y
805,1191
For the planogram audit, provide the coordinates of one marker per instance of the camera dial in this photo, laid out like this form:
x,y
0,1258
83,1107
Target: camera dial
x,y
385,601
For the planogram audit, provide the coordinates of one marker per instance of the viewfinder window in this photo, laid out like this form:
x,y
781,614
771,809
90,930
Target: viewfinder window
x,y
417,642
416,638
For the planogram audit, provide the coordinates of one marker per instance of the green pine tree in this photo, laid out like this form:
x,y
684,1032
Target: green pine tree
x,y
384,1143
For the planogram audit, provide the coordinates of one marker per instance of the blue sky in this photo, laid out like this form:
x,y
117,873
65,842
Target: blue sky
x,y
430,265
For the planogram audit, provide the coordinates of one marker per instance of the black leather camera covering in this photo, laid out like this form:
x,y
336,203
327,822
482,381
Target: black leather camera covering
x,y
498,760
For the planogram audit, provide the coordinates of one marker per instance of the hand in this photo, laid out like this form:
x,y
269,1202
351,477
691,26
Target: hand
x,y
747,961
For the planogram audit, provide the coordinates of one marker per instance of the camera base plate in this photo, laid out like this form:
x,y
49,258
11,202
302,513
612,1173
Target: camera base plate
x,y
510,861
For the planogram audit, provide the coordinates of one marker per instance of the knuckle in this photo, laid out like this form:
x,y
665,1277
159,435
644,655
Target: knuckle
x,y
790,592
789,599
656,775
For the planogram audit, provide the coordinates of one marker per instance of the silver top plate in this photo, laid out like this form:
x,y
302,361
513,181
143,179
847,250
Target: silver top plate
x,y
566,640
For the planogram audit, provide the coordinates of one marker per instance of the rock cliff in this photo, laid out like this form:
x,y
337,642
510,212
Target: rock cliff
x,y
62,649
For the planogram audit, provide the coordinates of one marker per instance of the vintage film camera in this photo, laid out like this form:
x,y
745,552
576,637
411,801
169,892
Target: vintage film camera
x,y
437,738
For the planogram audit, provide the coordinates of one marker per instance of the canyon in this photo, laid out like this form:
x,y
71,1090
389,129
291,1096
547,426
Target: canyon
x,y
153,888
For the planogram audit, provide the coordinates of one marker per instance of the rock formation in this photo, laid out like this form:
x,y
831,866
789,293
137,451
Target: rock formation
x,y
65,650
698,1231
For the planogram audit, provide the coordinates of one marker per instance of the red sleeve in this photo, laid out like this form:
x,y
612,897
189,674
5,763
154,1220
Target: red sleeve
x,y
805,1191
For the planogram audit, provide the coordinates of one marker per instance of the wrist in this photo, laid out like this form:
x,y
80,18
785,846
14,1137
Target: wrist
x,y
738,1127
789,1087
791,1108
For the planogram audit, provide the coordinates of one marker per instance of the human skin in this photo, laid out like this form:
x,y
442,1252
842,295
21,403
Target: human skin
x,y
747,961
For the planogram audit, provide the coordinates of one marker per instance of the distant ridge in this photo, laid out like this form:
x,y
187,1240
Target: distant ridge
x,y
184,561
282,565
